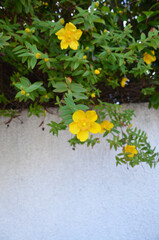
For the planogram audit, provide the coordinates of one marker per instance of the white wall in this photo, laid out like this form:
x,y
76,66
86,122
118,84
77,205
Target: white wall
x,y
50,192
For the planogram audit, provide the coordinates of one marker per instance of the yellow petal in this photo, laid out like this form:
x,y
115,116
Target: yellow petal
x,y
83,135
135,151
147,61
73,128
63,44
153,58
131,155
91,115
78,34
107,125
123,83
101,131
130,149
153,52
74,45
78,115
95,127
60,34
70,27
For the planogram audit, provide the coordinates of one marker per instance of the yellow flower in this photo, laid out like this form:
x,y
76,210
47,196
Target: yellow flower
x,y
22,92
38,55
87,48
96,4
27,30
84,57
83,123
105,30
123,82
46,3
106,125
93,95
97,72
62,21
120,12
46,59
69,36
148,59
130,149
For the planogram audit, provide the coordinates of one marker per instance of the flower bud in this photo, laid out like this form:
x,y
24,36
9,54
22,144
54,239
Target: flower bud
x,y
22,92
27,30
96,4
46,59
97,72
62,21
38,55
93,95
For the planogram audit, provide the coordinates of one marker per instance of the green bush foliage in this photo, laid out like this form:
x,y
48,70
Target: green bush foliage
x,y
106,57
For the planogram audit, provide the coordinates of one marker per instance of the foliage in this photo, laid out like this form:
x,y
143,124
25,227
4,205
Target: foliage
x,y
115,57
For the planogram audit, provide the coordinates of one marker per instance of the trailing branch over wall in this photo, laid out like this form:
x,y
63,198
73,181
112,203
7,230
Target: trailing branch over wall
x,y
80,55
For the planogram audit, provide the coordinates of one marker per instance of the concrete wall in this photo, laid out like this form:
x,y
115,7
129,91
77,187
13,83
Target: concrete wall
x,y
50,192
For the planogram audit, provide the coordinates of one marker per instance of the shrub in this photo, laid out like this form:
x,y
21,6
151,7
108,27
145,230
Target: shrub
x,y
85,57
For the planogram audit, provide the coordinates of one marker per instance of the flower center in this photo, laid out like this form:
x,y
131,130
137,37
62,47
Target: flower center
x,y
84,124
69,36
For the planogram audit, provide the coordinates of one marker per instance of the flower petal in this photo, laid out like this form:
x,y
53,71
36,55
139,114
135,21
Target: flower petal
x,y
78,115
134,151
153,58
91,115
95,127
123,83
107,125
131,149
131,155
70,27
74,45
83,135
77,34
61,34
64,44
147,61
101,131
73,128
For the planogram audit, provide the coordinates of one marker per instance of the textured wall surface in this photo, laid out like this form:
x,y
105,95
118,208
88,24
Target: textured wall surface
x,y
50,192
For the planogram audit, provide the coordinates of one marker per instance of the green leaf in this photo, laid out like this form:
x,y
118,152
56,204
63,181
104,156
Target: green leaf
x,y
75,87
86,74
75,65
60,87
79,95
34,87
99,20
143,36
33,62
25,82
141,18
55,127
148,13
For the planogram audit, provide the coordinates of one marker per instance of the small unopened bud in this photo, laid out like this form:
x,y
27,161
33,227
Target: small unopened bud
x,y
38,55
